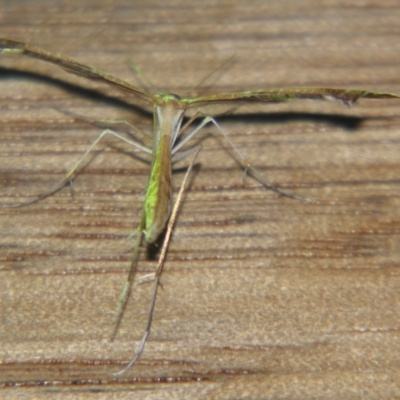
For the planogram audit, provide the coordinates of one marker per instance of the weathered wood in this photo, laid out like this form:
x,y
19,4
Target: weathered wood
x,y
261,294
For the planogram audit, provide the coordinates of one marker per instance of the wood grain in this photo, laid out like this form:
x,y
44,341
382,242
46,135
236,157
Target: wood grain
x,y
263,296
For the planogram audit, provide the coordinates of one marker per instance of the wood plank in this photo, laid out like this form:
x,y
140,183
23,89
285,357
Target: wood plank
x,y
262,295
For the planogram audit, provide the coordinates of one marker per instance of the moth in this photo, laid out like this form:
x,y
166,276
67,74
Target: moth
x,y
168,114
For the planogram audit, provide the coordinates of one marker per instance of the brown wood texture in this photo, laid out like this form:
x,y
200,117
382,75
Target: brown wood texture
x,y
263,296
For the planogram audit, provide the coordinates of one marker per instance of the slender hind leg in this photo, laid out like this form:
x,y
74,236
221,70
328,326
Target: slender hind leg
x,y
160,265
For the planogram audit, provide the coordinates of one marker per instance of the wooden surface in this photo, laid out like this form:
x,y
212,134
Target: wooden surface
x,y
263,296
